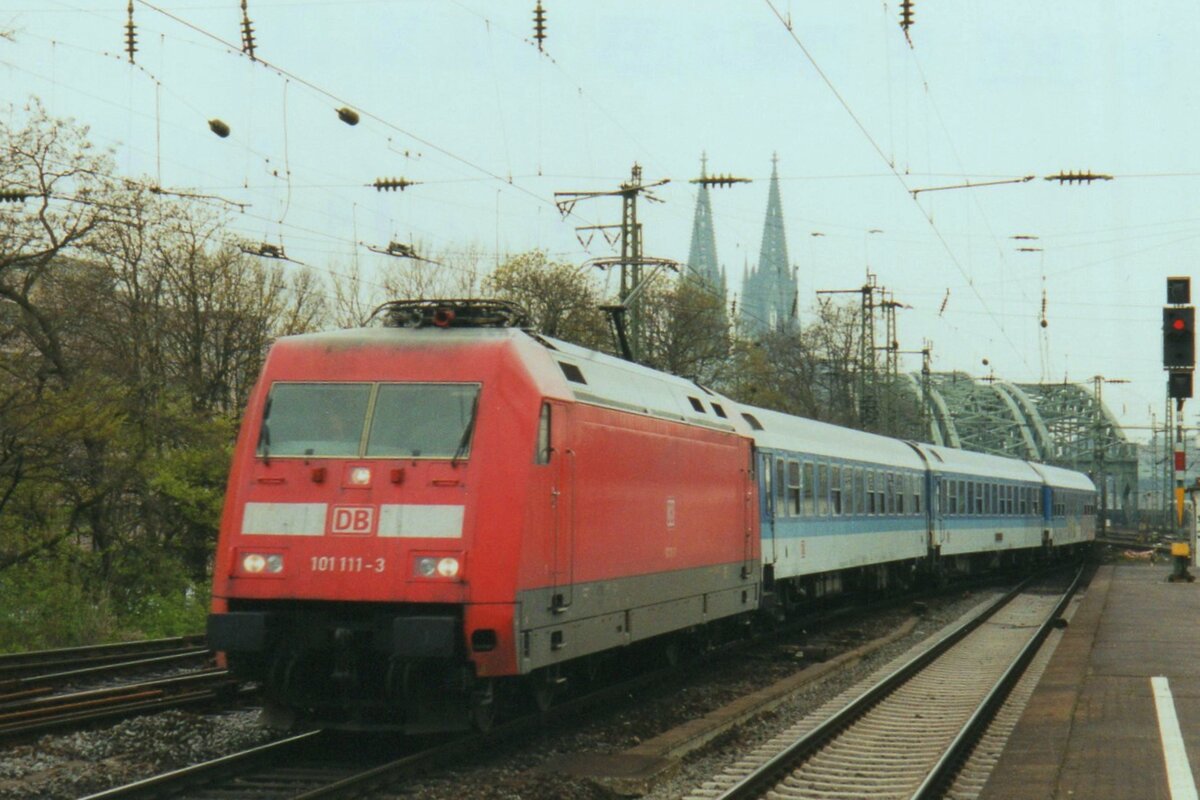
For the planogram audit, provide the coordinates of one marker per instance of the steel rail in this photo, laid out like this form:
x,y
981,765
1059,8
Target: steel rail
x,y
171,783
960,748
22,673
780,765
109,650
37,715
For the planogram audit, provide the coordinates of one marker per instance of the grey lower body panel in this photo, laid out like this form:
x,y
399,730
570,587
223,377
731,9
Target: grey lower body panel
x,y
605,614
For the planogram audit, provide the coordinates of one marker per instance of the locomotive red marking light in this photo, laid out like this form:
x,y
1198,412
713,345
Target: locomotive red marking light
x,y
397,476
318,475
443,317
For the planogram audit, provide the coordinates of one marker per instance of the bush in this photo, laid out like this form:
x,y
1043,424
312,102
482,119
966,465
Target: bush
x,y
56,601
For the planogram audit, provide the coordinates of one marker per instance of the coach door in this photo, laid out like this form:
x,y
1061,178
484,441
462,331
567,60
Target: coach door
x,y
937,503
766,506
562,501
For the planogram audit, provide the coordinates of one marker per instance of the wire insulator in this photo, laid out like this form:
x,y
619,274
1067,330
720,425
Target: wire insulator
x,y
218,127
348,115
1078,177
392,184
906,15
130,34
13,196
247,32
539,25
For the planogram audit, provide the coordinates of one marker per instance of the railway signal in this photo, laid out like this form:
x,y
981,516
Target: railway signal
x,y
1179,337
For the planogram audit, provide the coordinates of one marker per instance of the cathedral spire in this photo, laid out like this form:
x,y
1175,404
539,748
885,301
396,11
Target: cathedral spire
x,y
769,292
702,255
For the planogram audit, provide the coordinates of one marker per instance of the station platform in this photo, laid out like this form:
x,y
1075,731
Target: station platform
x,y
1116,715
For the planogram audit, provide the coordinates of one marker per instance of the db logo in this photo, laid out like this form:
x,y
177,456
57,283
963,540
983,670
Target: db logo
x,y
355,520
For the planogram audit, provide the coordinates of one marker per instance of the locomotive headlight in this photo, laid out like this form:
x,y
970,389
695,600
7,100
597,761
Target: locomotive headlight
x,y
360,476
436,567
265,564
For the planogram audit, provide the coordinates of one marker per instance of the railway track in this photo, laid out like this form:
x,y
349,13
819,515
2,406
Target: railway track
x,y
322,764
42,667
907,735
22,715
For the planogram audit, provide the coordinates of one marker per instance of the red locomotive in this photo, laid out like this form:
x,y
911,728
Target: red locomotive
x,y
419,511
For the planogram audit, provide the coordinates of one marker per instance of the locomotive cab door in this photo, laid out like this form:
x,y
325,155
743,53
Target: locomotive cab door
x,y
562,506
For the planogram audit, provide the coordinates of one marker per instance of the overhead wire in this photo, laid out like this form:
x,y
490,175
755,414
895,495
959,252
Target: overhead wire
x,y
861,126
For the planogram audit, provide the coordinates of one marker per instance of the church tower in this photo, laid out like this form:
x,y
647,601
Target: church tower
x,y
702,255
769,290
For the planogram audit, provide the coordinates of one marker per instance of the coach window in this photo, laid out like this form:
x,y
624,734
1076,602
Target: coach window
x,y
808,488
980,490
889,494
901,490
781,509
860,491
793,491
835,489
823,489
869,482
543,437
880,503
848,490
918,480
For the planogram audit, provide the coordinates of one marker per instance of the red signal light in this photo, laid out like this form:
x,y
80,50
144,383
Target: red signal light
x,y
1178,324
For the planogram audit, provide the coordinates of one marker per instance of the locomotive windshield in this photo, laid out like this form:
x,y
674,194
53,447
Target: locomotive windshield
x,y
413,420
422,420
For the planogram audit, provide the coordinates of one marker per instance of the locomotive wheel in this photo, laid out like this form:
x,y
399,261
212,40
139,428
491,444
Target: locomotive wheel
x,y
483,706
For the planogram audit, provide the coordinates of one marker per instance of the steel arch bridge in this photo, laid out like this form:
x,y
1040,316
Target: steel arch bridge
x,y
1063,424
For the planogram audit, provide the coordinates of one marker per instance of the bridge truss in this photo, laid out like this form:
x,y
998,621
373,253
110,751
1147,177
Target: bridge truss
x,y
1063,424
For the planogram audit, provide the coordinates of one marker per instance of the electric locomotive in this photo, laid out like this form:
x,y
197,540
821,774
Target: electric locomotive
x,y
420,510
423,514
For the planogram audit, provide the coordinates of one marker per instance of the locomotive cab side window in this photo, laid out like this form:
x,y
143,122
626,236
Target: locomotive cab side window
x,y
543,436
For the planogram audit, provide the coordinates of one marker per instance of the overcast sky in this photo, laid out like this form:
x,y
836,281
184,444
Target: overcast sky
x,y
454,94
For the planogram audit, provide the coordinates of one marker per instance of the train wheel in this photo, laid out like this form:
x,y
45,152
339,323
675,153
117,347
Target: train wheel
x,y
671,651
546,686
483,706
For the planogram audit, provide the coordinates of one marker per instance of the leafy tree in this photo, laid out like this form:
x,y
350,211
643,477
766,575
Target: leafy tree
x,y
685,329
562,300
131,333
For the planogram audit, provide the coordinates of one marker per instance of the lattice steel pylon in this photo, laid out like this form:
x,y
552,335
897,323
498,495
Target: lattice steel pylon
x,y
1055,423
